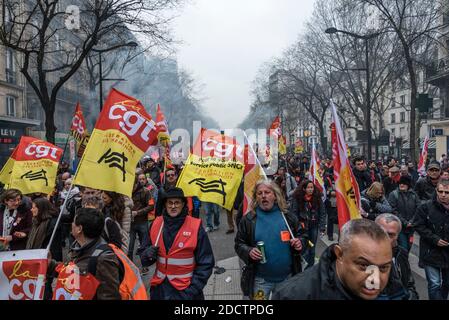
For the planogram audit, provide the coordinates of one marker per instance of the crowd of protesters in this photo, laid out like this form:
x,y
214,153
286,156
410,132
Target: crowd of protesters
x,y
288,215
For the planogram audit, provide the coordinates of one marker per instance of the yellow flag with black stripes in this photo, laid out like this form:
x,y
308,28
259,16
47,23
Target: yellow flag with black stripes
x,y
214,170
32,166
123,133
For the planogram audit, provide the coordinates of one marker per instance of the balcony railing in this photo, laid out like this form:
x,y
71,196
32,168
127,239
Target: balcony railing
x,y
438,68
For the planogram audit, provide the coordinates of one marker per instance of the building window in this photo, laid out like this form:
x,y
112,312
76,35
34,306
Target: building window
x,y
402,132
393,118
402,116
393,131
403,100
10,66
10,106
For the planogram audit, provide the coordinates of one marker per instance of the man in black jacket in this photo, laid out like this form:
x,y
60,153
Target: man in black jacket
x,y
362,175
401,285
425,186
432,224
356,268
152,171
404,202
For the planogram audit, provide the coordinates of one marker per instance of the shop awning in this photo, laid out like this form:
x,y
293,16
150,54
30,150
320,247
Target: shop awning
x,y
432,144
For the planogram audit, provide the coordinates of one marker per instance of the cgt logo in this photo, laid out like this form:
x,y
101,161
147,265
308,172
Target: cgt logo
x,y
222,149
131,122
41,151
25,282
78,124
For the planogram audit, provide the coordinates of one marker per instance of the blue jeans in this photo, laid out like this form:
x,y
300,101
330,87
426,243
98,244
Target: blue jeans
x,y
263,289
404,240
212,209
309,253
139,229
437,282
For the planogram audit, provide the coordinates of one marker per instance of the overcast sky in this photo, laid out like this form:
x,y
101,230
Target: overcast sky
x,y
226,41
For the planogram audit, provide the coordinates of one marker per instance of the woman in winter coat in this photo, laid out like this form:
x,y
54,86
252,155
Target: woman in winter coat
x,y
117,213
15,220
45,216
308,206
374,202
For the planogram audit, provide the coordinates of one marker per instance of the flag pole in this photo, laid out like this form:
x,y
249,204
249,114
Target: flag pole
x,y
59,218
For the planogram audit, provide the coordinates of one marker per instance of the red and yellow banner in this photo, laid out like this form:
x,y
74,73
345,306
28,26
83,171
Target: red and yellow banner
x,y
253,173
22,274
5,173
123,133
347,189
32,166
214,170
79,130
315,175
423,158
163,135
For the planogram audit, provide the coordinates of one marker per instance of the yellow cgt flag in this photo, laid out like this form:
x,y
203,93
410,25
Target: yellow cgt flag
x,y
32,166
122,134
5,173
214,170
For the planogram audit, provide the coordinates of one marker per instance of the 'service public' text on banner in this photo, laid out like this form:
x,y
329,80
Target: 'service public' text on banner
x,y
214,171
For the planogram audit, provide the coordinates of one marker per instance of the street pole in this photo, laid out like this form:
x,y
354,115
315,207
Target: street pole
x,y
368,98
101,81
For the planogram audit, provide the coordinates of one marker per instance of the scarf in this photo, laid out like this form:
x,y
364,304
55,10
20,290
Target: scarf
x,y
308,197
8,220
37,234
396,178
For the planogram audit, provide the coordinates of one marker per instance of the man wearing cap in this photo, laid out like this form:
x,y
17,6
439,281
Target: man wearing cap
x,y
391,182
425,186
152,171
405,202
181,249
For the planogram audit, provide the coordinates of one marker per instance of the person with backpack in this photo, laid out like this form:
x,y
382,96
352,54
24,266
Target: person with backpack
x,y
117,220
105,272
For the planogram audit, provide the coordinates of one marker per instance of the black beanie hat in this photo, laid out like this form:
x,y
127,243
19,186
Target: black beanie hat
x,y
405,180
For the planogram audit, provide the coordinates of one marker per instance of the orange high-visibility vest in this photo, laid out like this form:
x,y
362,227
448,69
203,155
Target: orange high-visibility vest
x,y
132,287
179,263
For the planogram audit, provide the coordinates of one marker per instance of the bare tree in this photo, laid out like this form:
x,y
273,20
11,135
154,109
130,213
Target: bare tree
x,y
414,23
52,53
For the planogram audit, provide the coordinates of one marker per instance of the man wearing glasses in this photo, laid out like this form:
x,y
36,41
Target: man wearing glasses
x,y
170,182
425,186
181,249
432,224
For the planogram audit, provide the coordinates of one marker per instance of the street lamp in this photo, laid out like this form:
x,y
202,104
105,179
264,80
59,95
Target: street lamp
x,y
366,38
131,44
